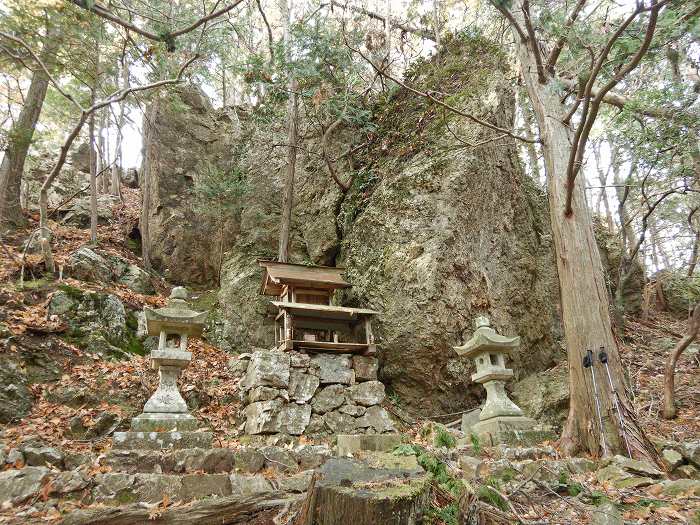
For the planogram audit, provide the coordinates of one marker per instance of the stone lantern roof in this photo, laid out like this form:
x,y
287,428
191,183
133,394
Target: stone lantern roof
x,y
485,339
176,317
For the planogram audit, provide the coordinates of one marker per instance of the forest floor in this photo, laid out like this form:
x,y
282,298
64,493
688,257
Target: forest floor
x,y
644,344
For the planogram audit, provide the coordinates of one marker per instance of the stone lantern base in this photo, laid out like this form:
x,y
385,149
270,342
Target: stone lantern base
x,y
511,430
165,422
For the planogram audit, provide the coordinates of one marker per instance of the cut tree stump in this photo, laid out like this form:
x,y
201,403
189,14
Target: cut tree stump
x,y
255,510
381,488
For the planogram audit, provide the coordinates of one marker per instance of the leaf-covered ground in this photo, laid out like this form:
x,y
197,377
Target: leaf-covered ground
x,y
122,386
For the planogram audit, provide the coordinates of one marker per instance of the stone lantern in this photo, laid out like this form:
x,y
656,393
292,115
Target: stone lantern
x,y
499,415
166,410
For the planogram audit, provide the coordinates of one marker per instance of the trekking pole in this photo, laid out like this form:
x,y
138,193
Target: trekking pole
x,y
588,363
603,356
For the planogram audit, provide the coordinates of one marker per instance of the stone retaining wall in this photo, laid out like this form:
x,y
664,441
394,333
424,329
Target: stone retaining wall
x,y
319,395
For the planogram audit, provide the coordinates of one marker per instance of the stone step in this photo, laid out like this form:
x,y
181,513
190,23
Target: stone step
x,y
162,440
215,460
116,488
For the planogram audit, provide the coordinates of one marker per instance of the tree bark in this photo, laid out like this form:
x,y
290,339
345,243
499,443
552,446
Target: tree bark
x,y
584,297
93,174
231,510
692,263
292,139
19,140
670,371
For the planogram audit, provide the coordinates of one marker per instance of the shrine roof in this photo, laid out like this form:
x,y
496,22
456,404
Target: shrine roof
x,y
276,275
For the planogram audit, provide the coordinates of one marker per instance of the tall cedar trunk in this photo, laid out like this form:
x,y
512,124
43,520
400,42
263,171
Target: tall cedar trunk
x,y
19,140
288,195
584,298
292,138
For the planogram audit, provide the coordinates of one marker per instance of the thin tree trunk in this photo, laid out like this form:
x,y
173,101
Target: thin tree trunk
x,y
93,174
19,140
629,237
292,139
670,371
224,100
102,153
694,255
656,241
584,297
436,24
530,148
387,36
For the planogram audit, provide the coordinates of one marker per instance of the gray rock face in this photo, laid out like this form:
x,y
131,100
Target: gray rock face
x,y
691,452
130,178
86,264
263,393
328,398
15,397
333,369
267,369
377,419
263,417
302,386
312,456
43,456
249,460
366,368
249,485
90,312
184,139
366,394
544,396
20,484
295,418
78,212
279,459
340,423
353,410
67,482
426,238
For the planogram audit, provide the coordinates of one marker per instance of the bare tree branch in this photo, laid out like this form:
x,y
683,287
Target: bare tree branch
x,y
419,31
559,45
84,115
438,101
591,105
167,37
41,64
270,40
533,41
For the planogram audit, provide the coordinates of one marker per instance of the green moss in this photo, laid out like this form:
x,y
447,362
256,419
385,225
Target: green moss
x,y
125,497
71,291
35,284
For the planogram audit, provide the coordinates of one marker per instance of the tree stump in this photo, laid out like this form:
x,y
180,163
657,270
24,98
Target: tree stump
x,y
380,489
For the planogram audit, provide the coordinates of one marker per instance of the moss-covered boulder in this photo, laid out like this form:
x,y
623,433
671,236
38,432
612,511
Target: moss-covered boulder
x,y
97,321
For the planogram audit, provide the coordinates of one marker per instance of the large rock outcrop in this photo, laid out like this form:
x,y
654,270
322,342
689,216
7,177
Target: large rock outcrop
x,y
439,225
184,138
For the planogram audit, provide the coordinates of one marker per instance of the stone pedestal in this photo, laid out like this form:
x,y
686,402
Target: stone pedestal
x,y
499,420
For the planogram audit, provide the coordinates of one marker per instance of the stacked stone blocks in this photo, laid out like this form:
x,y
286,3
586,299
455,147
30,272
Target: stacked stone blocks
x,y
296,393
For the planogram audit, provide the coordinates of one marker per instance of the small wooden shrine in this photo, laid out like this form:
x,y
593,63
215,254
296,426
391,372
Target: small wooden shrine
x,y
305,319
